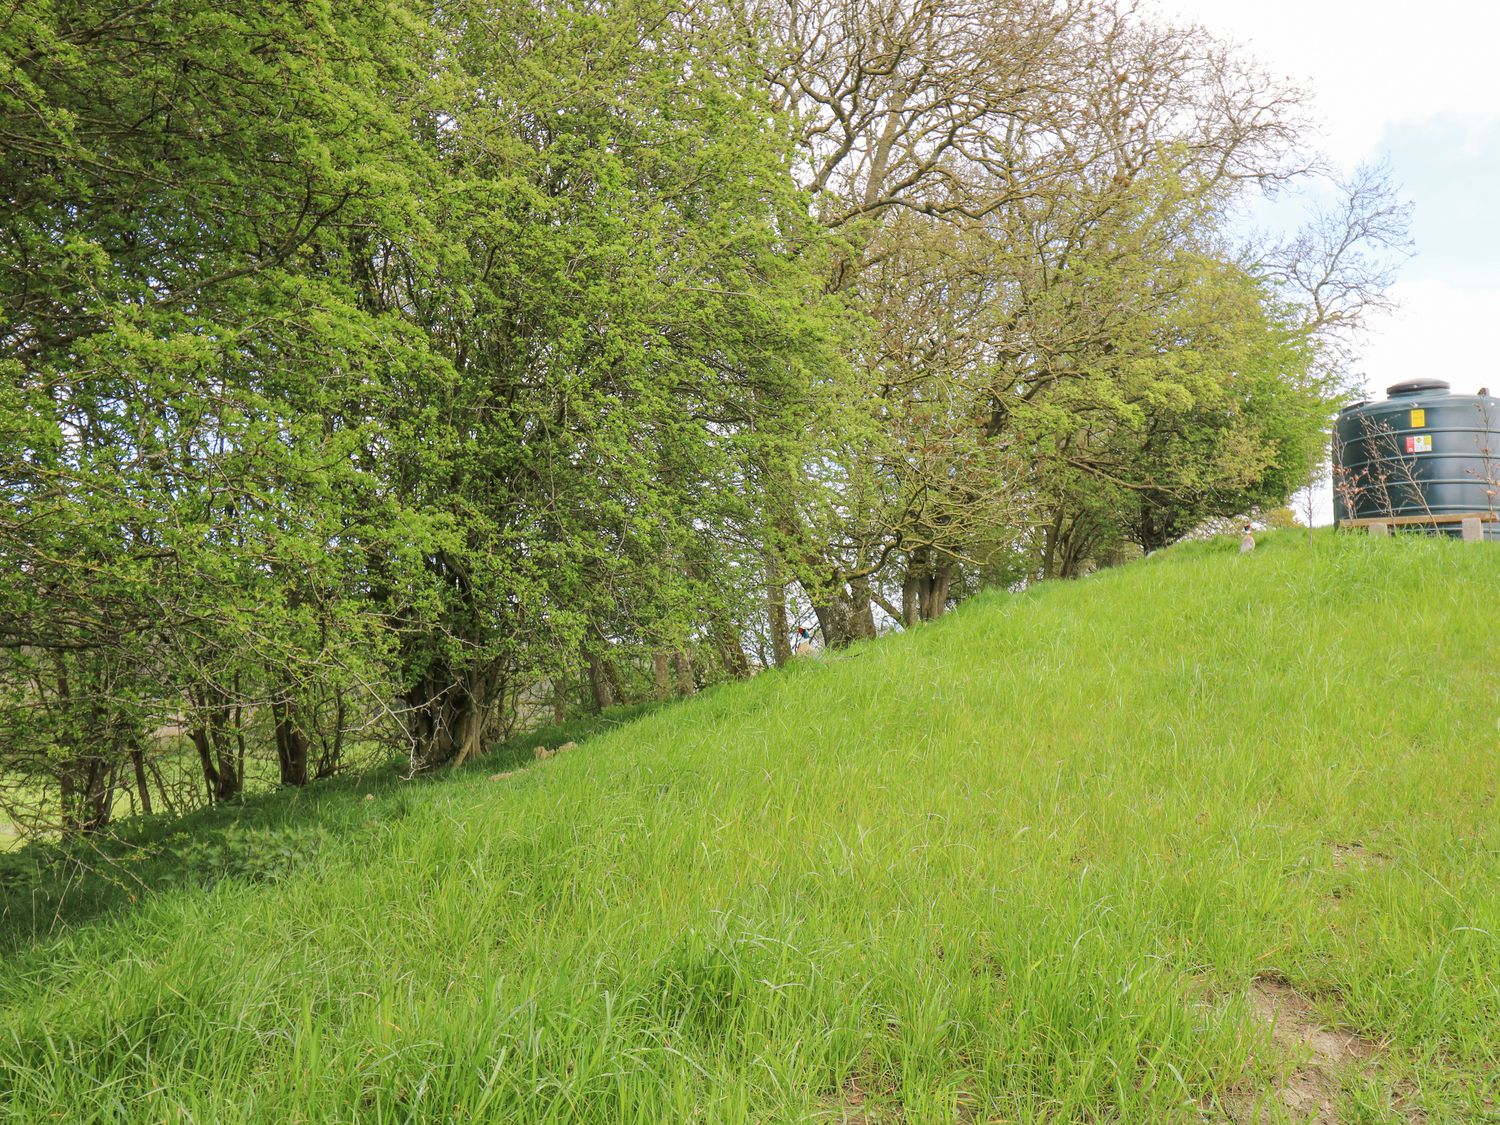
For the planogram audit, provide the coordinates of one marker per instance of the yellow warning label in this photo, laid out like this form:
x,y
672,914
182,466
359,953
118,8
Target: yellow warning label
x,y
1419,417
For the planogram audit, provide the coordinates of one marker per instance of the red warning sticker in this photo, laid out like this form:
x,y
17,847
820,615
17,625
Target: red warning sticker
x,y
1419,443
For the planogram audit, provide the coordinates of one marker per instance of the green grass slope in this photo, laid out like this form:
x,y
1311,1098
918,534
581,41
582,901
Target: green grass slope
x,y
1024,865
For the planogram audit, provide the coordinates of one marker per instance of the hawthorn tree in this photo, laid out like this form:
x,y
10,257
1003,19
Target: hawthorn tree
x,y
356,368
185,363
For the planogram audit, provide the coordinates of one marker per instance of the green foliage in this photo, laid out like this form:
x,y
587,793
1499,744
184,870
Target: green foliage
x,y
368,372
255,855
1209,407
1022,865
188,514
631,311
372,374
359,372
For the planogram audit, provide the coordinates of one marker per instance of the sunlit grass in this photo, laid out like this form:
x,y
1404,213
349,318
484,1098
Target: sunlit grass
x,y
1020,865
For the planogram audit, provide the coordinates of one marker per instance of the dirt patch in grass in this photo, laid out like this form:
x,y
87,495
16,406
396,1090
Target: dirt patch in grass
x,y
1355,856
1324,1056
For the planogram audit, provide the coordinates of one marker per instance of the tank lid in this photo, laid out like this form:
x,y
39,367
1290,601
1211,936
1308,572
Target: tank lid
x,y
1417,387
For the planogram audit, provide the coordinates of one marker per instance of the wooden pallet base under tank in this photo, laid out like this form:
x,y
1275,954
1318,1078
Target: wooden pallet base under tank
x,y
1472,523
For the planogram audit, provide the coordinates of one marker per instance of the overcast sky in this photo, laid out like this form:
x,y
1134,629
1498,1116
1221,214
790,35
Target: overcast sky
x,y
1419,86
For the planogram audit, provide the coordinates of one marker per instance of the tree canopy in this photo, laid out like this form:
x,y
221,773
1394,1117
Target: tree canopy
x,y
377,378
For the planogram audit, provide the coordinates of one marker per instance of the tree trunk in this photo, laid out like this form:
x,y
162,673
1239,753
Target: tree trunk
x,y
911,597
142,788
833,623
661,668
1050,539
731,652
861,608
599,681
231,760
845,617
291,743
101,794
216,753
239,732
67,800
1077,546
736,663
468,729
450,714
86,788
331,757
685,682
776,618
206,760
616,688
942,583
161,787
924,591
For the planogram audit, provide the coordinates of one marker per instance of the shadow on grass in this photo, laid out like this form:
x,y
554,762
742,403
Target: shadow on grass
x,y
47,888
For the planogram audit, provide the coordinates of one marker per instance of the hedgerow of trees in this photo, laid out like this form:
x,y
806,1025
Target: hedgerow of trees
x,y
378,377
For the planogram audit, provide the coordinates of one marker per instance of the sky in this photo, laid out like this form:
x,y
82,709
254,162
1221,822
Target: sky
x,y
1417,85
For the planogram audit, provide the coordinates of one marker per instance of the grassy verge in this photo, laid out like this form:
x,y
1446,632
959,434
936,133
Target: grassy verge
x,y
47,887
1027,864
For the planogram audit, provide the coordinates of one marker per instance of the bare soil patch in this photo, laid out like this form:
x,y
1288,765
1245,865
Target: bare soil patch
x,y
1356,856
1323,1054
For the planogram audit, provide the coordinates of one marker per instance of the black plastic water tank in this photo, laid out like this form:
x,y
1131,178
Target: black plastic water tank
x,y
1422,451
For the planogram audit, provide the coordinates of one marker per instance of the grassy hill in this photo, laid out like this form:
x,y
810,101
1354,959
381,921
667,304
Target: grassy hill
x,y
1207,838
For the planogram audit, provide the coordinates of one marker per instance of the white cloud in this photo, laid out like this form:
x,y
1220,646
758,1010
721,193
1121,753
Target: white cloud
x,y
1440,331
1369,66
1368,63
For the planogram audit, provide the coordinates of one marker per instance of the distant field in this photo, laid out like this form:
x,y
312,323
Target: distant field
x,y
1206,838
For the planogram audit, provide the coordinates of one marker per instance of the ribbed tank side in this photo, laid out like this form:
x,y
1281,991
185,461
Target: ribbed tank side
x,y
1421,451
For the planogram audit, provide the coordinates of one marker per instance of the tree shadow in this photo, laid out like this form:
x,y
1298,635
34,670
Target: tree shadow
x,y
50,887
